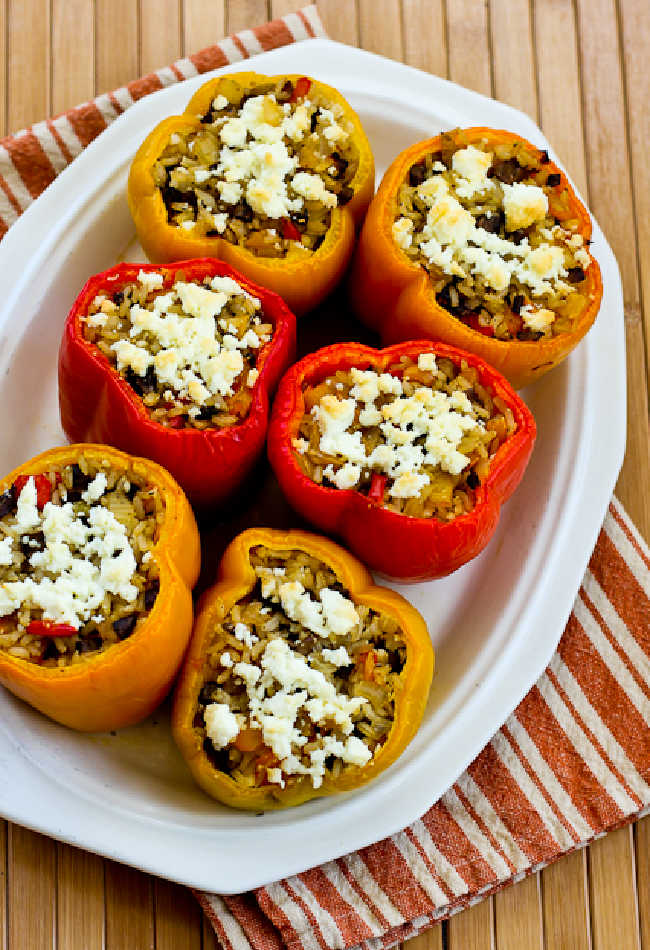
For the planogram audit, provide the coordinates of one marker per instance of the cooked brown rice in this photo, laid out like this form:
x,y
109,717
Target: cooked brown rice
x,y
359,665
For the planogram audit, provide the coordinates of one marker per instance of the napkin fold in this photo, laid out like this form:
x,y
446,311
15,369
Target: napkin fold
x,y
572,761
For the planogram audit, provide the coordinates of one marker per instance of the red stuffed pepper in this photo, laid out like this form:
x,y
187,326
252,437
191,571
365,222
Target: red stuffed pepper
x,y
176,363
405,453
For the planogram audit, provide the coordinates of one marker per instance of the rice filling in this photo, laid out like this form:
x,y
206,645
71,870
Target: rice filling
x,y
491,226
299,680
189,350
76,574
264,171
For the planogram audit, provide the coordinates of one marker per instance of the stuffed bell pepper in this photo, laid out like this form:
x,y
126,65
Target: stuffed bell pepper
x,y
270,173
302,679
176,363
98,554
476,238
405,453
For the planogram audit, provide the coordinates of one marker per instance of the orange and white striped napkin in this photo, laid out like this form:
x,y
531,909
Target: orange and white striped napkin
x,y
571,762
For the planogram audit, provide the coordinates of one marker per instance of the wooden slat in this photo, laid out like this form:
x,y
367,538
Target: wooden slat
x,y
642,854
635,27
31,890
116,43
614,920
380,27
558,82
518,916
426,47
210,941
177,917
565,904
341,20
431,939
611,201
469,52
129,908
473,928
73,75
28,62
80,899
513,55
204,24
3,71
160,34
243,14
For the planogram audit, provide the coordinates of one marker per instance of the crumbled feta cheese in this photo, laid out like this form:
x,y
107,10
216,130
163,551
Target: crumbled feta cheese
x,y
150,280
339,657
427,362
312,188
245,635
226,660
403,232
523,205
471,164
300,445
96,488
219,103
347,476
6,551
538,320
221,725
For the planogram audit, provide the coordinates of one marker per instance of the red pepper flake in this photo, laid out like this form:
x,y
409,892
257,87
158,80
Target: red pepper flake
x,y
289,231
471,320
300,90
377,487
45,628
176,422
43,487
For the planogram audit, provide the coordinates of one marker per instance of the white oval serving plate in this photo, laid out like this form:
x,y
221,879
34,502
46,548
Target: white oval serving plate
x,y
494,624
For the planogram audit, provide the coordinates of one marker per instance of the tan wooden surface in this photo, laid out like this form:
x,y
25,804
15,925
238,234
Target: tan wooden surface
x,y
580,68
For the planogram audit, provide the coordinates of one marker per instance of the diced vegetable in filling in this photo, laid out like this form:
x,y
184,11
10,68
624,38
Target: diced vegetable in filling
x,y
76,573
493,228
265,171
299,680
189,350
417,438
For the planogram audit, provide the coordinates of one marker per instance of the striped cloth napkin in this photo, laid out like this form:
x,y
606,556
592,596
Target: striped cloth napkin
x,y
571,762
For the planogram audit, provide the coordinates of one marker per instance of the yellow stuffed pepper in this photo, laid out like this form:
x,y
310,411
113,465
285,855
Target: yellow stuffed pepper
x,y
271,174
302,679
98,554
476,238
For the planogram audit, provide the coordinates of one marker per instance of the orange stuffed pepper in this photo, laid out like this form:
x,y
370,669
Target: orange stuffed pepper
x,y
302,679
271,174
477,239
98,554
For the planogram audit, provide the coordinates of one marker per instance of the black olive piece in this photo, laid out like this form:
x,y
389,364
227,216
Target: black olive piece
x,y
197,722
508,171
174,196
212,233
517,303
396,663
125,626
89,644
8,502
50,652
329,762
207,692
35,543
151,591
544,159
340,166
317,243
207,119
141,384
491,224
243,212
205,414
286,91
417,174
80,482
345,194
473,481
133,491
553,180
118,298
219,758
517,236
576,275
